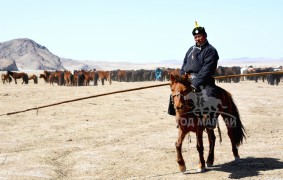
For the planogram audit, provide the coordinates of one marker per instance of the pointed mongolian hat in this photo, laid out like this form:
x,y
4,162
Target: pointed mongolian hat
x,y
198,29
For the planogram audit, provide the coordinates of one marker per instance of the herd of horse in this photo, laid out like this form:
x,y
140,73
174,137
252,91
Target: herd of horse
x,y
77,78
272,79
7,78
91,77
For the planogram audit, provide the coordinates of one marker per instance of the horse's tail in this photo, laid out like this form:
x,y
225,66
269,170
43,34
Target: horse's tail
x,y
95,78
71,77
81,78
232,119
110,80
61,79
35,79
25,78
236,130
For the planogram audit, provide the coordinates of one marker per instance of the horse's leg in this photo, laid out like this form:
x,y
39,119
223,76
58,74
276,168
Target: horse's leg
x,y
178,144
199,133
15,80
211,140
110,81
234,146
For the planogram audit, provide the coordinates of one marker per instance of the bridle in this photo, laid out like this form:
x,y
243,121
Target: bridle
x,y
187,102
172,100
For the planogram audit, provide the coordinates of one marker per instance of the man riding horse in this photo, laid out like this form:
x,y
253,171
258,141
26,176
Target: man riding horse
x,y
200,64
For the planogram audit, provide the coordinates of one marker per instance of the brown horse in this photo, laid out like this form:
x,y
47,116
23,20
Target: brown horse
x,y
121,75
104,75
68,77
47,74
89,76
188,121
44,77
53,77
33,77
19,75
6,78
95,77
75,78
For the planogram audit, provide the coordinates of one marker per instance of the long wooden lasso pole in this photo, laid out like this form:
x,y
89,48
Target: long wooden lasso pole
x,y
83,98
133,89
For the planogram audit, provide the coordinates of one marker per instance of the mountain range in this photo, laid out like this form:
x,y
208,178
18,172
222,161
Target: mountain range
x,y
25,54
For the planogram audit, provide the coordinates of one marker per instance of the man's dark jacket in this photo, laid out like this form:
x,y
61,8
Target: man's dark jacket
x,y
202,63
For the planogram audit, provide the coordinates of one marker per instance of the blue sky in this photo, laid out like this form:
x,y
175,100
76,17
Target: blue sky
x,y
145,30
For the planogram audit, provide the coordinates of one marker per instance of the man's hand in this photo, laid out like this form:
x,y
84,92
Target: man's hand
x,y
195,90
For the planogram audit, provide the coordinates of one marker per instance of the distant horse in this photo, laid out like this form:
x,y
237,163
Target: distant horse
x,y
54,78
220,71
68,77
51,79
60,76
81,79
95,77
121,75
187,121
6,78
88,76
33,77
47,74
44,77
104,75
19,75
138,75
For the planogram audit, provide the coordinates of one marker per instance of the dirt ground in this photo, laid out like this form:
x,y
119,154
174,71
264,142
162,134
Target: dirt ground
x,y
130,135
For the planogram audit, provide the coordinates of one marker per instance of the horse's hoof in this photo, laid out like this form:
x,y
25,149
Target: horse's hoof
x,y
238,160
200,170
182,168
209,164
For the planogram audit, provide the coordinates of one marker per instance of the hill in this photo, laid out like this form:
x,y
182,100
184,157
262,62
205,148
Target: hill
x,y
29,55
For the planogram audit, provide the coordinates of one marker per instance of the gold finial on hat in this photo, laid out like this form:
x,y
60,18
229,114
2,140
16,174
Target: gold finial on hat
x,y
196,24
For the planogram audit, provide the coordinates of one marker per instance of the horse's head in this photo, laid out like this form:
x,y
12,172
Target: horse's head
x,y
10,73
180,90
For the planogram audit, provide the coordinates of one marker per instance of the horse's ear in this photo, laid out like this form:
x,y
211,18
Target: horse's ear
x,y
172,78
186,76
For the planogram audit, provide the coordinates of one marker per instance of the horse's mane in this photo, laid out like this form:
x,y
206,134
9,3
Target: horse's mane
x,y
182,79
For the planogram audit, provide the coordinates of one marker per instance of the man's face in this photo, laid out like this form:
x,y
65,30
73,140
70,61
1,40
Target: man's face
x,y
200,39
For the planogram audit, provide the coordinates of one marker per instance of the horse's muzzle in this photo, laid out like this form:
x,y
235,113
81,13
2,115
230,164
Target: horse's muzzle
x,y
179,107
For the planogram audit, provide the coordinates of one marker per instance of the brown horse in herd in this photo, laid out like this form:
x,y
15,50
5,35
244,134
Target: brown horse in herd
x,y
19,75
33,77
104,75
121,75
6,78
44,77
189,122
68,78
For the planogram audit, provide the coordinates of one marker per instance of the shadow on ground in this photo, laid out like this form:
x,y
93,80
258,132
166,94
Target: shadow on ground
x,y
248,167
